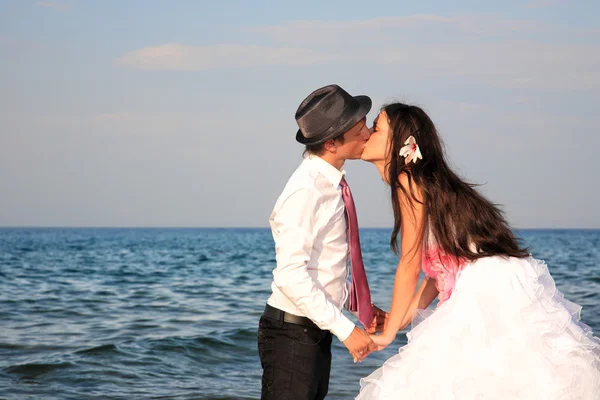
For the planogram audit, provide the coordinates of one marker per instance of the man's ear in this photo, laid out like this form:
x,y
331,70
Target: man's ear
x,y
330,146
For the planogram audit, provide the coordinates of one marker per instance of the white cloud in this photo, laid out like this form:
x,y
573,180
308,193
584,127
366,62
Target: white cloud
x,y
508,65
545,3
175,56
347,32
55,5
400,29
487,50
497,52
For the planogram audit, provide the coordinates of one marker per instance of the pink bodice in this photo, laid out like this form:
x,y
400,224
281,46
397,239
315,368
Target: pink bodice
x,y
444,269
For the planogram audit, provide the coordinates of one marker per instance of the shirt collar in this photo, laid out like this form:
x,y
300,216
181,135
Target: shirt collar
x,y
330,172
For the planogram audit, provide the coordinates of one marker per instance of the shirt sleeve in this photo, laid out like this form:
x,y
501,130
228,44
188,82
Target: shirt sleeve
x,y
296,225
347,303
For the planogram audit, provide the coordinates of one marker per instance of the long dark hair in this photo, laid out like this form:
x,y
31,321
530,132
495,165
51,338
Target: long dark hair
x,y
455,212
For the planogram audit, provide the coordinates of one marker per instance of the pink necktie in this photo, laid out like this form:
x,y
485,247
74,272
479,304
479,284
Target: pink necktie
x,y
360,297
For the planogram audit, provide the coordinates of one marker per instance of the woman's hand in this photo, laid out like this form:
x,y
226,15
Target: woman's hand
x,y
380,319
382,341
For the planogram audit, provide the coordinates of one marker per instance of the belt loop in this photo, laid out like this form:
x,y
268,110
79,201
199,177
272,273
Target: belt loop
x,y
281,317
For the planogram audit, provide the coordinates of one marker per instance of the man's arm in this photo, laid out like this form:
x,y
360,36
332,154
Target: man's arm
x,y
294,232
295,226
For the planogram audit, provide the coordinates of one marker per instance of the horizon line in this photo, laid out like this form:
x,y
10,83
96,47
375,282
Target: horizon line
x,y
223,227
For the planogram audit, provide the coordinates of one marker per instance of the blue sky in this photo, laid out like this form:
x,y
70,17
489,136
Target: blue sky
x,y
163,113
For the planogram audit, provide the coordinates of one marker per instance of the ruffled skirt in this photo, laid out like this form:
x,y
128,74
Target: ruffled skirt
x,y
505,333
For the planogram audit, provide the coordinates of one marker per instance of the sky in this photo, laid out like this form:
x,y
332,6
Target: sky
x,y
181,113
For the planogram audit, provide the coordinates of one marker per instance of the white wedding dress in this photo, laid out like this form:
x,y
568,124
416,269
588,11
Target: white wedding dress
x,y
501,331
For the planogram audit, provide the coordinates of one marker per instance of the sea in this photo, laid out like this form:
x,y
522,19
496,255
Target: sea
x,y
169,313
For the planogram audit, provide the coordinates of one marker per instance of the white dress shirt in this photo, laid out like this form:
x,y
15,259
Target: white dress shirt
x,y
309,228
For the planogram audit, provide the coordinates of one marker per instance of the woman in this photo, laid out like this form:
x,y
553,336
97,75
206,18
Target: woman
x,y
501,329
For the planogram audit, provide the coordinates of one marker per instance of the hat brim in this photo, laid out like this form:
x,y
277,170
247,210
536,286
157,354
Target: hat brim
x,y
364,106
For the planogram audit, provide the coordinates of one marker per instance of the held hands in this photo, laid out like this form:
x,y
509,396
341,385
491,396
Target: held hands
x,y
359,344
380,319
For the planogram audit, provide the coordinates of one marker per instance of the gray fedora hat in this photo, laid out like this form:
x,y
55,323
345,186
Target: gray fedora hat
x,y
328,112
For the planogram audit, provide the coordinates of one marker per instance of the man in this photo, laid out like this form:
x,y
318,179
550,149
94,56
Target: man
x,y
314,226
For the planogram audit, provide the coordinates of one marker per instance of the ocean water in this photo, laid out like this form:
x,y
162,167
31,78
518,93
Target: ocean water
x,y
172,313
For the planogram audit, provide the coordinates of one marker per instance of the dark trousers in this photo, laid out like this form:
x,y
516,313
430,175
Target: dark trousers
x,y
296,360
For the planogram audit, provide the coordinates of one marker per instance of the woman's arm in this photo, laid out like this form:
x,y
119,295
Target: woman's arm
x,y
422,299
409,267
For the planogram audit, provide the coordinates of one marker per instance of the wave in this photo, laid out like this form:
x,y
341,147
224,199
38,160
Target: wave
x,y
36,369
36,348
102,349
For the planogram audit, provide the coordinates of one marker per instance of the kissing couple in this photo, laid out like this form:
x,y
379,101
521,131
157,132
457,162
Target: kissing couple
x,y
500,330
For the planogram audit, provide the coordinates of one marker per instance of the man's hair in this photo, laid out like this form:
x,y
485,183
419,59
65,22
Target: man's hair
x,y
319,149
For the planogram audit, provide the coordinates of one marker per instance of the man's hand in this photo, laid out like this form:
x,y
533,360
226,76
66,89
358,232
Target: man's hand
x,y
380,319
359,344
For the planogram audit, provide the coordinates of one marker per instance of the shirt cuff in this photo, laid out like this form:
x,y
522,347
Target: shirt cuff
x,y
343,328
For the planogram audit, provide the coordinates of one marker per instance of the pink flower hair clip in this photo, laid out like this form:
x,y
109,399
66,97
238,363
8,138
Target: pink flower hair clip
x,y
411,151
